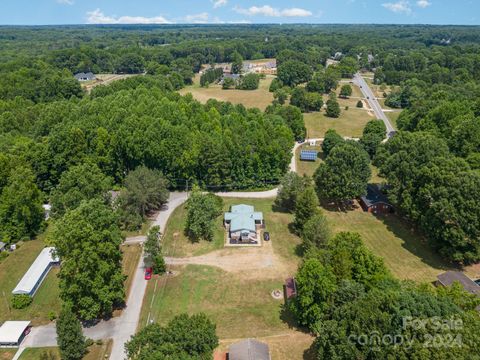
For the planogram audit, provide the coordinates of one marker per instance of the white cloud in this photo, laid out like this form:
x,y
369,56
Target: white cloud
x,y
219,3
423,3
98,17
201,18
267,10
66,2
401,6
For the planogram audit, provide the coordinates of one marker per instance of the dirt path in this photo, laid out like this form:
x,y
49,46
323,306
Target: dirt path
x,y
260,262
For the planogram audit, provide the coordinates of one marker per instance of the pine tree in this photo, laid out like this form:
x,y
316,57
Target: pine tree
x,y
70,337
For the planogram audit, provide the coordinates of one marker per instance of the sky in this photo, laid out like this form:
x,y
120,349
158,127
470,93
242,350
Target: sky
x,y
53,12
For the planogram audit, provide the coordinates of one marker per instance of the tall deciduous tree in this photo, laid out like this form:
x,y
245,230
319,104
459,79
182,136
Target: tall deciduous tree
x,y
21,212
71,341
346,91
153,251
291,186
316,231
81,182
202,210
345,173
293,72
333,108
145,191
315,285
88,239
185,337
373,135
331,139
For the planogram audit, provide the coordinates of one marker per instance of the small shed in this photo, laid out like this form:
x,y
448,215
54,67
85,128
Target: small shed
x,y
290,288
375,201
308,155
249,349
12,333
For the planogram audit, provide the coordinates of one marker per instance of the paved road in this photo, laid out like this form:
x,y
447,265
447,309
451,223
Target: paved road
x,y
372,100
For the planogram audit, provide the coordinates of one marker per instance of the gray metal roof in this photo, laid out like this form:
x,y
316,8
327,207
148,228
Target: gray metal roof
x,y
249,349
449,277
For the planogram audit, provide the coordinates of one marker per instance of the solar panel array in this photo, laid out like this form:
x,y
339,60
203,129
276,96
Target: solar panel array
x,y
308,155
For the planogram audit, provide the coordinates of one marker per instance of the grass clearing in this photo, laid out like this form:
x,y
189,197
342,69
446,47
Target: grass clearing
x,y
131,256
308,167
404,251
393,116
241,307
350,123
7,354
12,270
259,98
95,352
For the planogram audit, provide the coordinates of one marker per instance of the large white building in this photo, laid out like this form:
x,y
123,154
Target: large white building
x,y
13,332
37,272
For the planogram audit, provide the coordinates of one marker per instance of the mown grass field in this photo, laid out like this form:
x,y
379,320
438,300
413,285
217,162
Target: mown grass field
x,y
240,306
350,123
47,298
259,98
308,167
11,271
95,352
7,354
404,251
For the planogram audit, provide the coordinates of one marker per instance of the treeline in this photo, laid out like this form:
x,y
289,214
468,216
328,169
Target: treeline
x,y
127,125
211,76
431,168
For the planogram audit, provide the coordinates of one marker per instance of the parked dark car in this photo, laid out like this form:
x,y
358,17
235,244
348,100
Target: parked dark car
x,y
266,236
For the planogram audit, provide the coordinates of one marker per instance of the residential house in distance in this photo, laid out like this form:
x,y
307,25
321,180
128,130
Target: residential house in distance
x,y
85,76
249,349
375,201
243,225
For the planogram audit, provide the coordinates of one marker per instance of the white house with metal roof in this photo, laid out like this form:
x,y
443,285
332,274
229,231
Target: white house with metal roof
x,y
37,272
243,224
13,332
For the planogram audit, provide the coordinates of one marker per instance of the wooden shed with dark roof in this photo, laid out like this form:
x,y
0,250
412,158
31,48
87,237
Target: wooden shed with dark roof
x,y
249,349
375,201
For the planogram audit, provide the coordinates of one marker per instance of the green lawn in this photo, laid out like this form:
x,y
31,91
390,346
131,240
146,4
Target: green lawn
x,y
95,352
405,252
241,307
175,243
308,167
7,354
393,116
11,271
350,123
259,98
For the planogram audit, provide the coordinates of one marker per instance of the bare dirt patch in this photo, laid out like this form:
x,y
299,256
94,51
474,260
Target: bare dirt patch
x,y
250,263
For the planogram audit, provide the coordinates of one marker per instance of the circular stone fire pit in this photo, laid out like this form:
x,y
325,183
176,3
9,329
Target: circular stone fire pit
x,y
277,294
